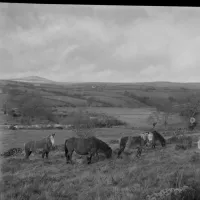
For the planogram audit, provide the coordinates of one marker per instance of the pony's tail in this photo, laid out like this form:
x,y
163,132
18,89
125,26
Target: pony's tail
x,y
66,150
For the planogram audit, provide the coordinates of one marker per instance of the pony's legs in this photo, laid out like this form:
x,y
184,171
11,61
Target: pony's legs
x,y
153,145
120,151
89,158
69,157
97,155
27,154
139,152
43,153
90,154
47,155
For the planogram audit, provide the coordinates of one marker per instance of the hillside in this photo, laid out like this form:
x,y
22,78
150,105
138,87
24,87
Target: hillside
x,y
129,95
106,97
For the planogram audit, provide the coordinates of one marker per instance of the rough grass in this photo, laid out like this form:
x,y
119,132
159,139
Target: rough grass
x,y
71,100
113,179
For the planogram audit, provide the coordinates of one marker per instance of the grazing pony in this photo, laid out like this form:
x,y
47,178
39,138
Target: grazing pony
x,y
154,136
86,146
45,144
133,142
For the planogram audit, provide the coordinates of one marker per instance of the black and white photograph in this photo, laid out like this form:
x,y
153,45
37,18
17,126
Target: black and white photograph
x,y
99,102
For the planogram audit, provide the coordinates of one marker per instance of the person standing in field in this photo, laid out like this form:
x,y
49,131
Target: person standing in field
x,y
154,124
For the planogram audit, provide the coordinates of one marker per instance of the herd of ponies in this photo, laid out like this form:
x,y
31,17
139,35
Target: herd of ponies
x,y
92,145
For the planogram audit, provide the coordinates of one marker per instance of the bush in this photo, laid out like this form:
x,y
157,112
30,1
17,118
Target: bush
x,y
107,122
195,157
181,146
181,141
31,106
184,192
82,120
113,141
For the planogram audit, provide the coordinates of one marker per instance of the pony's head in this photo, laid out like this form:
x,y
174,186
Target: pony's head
x,y
144,136
52,139
159,137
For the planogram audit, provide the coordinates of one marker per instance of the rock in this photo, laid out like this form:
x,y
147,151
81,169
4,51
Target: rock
x,y
184,193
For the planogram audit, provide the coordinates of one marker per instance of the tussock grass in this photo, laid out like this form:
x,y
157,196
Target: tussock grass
x,y
126,178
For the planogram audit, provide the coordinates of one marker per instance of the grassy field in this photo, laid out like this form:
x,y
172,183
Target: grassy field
x,y
113,179
113,94
134,117
75,101
126,178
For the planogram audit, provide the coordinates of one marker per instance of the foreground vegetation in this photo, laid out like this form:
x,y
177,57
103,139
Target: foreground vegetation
x,y
126,178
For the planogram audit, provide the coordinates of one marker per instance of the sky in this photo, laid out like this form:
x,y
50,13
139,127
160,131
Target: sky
x,y
79,43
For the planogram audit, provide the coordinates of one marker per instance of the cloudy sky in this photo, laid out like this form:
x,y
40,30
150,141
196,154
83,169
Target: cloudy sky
x,y
100,43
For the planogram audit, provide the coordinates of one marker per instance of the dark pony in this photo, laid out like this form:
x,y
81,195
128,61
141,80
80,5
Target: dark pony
x,y
86,146
45,144
137,142
159,137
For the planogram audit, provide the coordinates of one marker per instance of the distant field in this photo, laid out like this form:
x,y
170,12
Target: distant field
x,y
113,93
2,99
136,117
75,101
64,96
53,102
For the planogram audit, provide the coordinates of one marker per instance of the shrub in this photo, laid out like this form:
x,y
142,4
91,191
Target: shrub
x,y
113,141
195,157
31,106
184,192
180,146
181,139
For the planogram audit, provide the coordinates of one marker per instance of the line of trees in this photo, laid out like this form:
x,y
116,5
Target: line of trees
x,y
31,106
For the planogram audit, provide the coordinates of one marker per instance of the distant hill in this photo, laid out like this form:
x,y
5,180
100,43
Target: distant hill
x,y
156,84
33,79
105,94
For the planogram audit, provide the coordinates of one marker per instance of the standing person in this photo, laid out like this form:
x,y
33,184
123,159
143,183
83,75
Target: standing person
x,y
154,124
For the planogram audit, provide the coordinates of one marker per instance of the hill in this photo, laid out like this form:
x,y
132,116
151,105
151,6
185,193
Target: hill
x,y
33,79
128,95
107,97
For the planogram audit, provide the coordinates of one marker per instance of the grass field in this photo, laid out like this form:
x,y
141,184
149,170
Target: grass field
x,y
71,100
112,94
134,117
126,178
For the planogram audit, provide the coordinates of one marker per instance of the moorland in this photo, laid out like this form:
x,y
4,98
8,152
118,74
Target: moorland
x,y
105,110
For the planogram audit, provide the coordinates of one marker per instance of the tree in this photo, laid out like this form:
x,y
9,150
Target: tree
x,y
83,125
154,118
90,100
171,99
167,111
191,109
161,115
31,105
